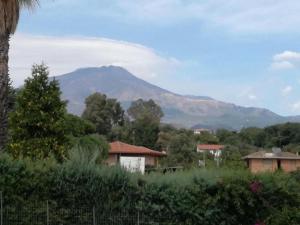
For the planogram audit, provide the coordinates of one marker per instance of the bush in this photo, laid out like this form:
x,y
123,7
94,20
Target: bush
x,y
188,197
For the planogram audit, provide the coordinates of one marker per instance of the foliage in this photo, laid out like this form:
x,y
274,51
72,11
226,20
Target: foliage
x,y
189,197
180,148
78,127
37,123
12,94
286,136
149,109
103,112
206,138
144,132
90,149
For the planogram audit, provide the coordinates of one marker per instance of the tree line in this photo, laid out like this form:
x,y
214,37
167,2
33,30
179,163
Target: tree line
x,y
40,127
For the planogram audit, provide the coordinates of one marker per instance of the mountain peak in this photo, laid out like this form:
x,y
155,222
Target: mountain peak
x,y
117,82
113,70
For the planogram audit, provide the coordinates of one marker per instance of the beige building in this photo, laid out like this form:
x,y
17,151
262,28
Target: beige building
x,y
134,158
264,161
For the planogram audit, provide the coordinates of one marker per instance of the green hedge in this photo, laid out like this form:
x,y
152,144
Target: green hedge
x,y
188,197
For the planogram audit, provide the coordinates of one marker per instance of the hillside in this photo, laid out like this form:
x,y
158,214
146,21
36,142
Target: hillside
x,y
187,111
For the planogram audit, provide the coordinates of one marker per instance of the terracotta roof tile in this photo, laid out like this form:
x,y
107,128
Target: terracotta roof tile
x,y
118,147
210,147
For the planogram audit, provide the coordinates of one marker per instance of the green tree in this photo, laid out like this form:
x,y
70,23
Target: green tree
x,y
89,149
145,126
12,94
141,108
253,136
9,17
105,113
145,132
206,138
181,151
37,123
78,127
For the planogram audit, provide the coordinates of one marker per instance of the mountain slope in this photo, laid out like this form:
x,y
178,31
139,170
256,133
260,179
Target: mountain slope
x,y
188,111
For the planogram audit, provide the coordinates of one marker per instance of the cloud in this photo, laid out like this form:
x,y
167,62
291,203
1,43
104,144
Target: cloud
x,y
282,65
287,56
286,90
252,97
255,16
236,15
286,60
296,106
65,54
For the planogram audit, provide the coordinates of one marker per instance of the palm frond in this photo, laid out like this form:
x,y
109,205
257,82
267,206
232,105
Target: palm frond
x,y
10,11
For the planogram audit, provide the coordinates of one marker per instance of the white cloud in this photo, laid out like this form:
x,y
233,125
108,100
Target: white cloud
x,y
256,16
236,15
282,65
296,106
65,54
287,90
285,60
252,97
287,56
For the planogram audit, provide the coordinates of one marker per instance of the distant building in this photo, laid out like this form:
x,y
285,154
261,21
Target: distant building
x,y
131,157
215,150
263,161
203,130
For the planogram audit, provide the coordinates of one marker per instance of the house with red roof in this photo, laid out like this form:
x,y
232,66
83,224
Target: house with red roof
x,y
133,158
215,150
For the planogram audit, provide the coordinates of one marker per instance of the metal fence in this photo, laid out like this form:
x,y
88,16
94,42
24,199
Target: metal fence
x,y
49,213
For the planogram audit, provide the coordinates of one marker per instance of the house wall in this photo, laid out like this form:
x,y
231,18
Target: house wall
x,y
288,165
151,161
262,165
112,160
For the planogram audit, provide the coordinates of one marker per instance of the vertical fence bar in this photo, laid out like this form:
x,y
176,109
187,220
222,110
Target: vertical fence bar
x,y
138,219
94,215
47,209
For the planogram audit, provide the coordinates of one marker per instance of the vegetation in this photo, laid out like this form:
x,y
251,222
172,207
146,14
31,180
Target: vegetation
x,y
189,197
56,156
103,112
37,125
9,17
140,109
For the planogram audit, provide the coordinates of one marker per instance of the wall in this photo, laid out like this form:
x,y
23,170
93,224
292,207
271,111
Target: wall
x,y
262,165
112,160
290,165
150,161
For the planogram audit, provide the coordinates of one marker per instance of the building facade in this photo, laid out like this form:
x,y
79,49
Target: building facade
x,y
133,158
270,162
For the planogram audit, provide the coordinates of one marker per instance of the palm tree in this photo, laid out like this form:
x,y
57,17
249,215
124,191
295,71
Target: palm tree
x,y
9,17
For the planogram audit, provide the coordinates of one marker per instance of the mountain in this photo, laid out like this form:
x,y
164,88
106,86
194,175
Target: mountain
x,y
182,110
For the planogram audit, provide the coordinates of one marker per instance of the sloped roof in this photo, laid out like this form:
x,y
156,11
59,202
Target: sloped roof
x,y
271,155
118,147
210,147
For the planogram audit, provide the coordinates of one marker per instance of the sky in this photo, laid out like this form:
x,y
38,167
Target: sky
x,y
243,52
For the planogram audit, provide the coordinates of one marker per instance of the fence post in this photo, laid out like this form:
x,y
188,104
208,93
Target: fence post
x,y
47,209
1,206
94,216
138,222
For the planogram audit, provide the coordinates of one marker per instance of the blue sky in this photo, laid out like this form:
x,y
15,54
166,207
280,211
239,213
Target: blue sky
x,y
244,52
